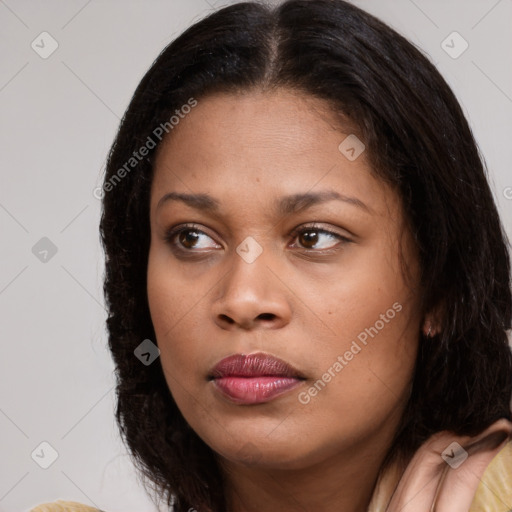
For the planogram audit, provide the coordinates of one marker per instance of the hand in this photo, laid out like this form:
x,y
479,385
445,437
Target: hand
x,y
430,484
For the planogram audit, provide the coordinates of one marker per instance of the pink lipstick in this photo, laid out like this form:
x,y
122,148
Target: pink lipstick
x,y
254,378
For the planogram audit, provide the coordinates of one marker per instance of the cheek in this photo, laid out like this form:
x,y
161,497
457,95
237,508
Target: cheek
x,y
174,305
362,377
371,315
365,287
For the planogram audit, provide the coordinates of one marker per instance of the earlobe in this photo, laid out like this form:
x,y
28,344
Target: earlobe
x,y
427,331
432,325
430,329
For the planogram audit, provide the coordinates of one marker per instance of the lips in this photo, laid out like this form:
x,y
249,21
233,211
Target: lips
x,y
254,378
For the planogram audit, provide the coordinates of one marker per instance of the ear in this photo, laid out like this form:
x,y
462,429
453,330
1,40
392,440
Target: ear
x,y
434,320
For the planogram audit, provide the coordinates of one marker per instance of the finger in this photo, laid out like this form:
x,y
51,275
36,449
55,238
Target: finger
x,y
431,478
418,486
460,483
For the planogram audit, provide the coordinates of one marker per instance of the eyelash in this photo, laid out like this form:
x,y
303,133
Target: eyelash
x,y
174,232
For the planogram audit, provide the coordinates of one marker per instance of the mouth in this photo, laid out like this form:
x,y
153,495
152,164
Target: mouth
x,y
254,378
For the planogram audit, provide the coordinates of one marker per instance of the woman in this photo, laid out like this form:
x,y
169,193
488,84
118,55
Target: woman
x,y
306,275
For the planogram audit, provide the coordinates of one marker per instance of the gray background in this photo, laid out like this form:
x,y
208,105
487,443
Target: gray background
x,y
58,118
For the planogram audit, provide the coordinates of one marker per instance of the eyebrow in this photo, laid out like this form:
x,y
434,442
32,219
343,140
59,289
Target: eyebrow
x,y
285,205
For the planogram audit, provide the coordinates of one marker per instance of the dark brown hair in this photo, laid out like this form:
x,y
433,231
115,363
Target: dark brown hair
x,y
417,139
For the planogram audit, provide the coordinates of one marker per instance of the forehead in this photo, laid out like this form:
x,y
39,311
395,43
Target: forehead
x,y
255,145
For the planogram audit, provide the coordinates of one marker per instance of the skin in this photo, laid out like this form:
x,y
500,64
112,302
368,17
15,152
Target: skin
x,y
303,299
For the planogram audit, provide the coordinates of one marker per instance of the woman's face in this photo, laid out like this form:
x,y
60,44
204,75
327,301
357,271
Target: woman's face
x,y
291,251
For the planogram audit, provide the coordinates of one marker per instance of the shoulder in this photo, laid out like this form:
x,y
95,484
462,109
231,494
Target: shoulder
x,y
494,492
63,506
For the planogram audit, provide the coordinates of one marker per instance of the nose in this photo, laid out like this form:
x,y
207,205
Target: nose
x,y
252,296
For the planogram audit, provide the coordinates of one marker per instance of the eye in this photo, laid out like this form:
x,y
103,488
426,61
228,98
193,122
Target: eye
x,y
189,237
323,239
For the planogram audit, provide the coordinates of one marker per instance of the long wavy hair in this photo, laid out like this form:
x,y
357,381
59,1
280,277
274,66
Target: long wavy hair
x,y
417,139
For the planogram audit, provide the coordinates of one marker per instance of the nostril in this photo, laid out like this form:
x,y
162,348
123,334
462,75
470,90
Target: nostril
x,y
227,319
266,316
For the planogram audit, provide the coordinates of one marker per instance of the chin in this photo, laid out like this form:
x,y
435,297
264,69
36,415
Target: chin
x,y
273,454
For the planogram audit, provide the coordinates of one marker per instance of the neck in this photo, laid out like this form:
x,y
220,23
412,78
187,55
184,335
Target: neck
x,y
343,481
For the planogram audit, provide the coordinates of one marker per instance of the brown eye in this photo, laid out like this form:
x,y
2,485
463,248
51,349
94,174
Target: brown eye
x,y
188,238
308,238
314,239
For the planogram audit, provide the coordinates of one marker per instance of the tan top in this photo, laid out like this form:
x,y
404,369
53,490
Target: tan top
x,y
63,506
447,474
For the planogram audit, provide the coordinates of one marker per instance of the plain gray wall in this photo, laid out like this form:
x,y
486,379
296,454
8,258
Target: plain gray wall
x,y
58,118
